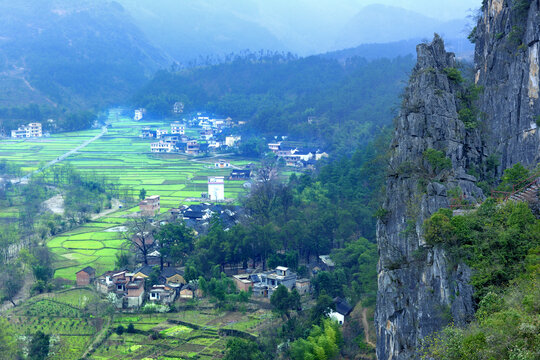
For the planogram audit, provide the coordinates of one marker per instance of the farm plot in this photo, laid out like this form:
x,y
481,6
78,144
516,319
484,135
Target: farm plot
x,y
90,245
201,340
123,158
58,315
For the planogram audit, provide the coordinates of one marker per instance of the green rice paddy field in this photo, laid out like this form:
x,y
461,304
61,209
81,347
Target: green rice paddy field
x,y
123,157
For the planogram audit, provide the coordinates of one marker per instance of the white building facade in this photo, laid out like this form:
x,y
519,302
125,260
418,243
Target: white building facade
x,y
216,188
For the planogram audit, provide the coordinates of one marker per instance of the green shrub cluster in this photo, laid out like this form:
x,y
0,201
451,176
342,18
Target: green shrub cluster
x,y
506,325
437,160
454,75
494,241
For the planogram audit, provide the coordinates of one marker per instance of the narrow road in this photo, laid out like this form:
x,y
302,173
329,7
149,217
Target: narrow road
x,y
24,179
365,323
114,206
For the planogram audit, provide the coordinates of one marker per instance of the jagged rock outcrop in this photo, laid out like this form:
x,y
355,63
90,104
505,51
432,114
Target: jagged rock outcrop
x,y
420,288
507,66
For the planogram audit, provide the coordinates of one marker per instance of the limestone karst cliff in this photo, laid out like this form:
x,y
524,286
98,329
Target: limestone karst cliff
x,y
438,144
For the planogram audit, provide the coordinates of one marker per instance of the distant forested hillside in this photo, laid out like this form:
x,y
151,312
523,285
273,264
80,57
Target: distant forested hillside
x,y
76,55
345,103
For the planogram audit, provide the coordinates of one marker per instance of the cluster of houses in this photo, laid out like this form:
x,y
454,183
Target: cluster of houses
x,y
128,291
177,141
301,157
265,283
198,216
210,135
128,288
32,130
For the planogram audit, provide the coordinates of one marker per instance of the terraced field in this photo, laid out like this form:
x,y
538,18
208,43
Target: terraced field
x,y
186,335
124,158
60,315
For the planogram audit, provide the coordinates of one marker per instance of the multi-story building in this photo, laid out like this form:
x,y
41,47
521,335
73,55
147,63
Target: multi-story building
x,y
178,107
231,141
162,146
160,133
216,188
28,131
150,206
177,128
138,114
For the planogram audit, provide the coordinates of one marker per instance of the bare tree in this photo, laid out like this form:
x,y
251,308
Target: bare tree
x,y
140,233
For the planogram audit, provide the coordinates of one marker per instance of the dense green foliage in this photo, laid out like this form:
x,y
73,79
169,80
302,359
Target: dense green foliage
x,y
494,241
283,301
437,161
39,346
322,343
277,94
506,325
8,340
240,349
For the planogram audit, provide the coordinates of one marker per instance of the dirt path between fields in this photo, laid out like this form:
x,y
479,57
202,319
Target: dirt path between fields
x,y
97,338
365,323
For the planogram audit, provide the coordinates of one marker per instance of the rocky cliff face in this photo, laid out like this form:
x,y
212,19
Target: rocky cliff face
x,y
420,288
507,66
418,291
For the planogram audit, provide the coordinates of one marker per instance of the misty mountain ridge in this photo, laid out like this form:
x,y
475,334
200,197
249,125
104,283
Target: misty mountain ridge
x,y
90,53
76,53
190,30
372,25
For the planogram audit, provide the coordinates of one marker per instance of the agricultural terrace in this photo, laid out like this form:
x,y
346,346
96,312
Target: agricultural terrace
x,y
125,159
190,334
77,318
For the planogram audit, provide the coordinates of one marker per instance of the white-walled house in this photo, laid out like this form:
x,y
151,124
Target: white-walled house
x,y
343,309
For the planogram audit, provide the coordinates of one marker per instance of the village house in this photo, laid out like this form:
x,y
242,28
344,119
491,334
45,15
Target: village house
x,y
302,286
216,188
150,206
138,114
162,294
31,130
143,272
193,147
231,140
160,133
274,147
190,291
172,277
128,288
162,147
212,144
240,175
206,135
178,107
343,309
177,128
148,133
327,263
85,276
265,283
135,293
243,282
222,164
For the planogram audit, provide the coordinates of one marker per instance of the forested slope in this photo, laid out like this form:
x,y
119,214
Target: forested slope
x,y
277,94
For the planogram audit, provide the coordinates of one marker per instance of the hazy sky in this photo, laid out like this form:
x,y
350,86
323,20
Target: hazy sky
x,y
441,9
